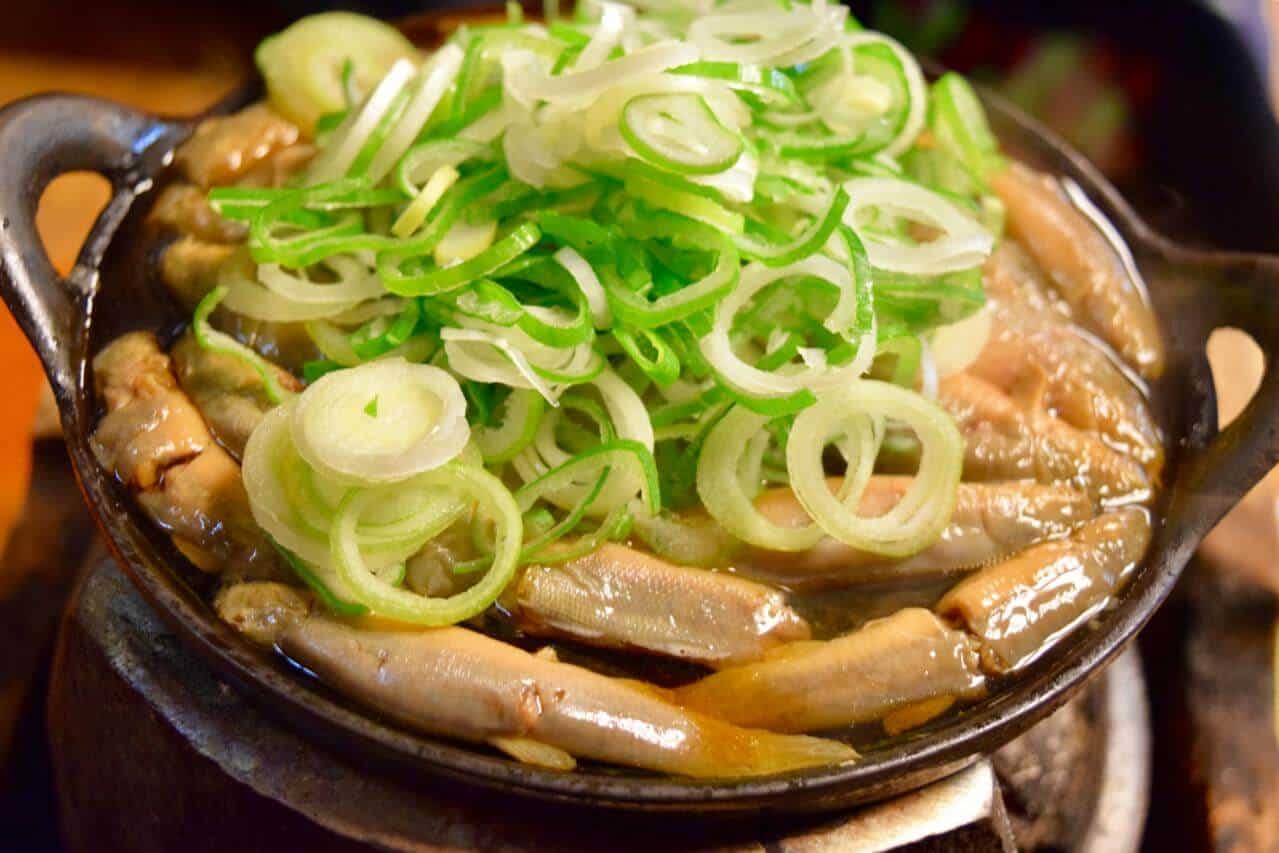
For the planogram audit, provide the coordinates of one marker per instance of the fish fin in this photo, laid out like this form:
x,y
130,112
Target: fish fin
x,y
790,650
547,653
735,751
529,751
911,716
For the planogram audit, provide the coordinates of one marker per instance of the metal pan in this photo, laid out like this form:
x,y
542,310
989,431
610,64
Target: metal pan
x,y
69,319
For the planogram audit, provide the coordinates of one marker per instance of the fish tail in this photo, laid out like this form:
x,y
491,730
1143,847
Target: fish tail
x,y
732,751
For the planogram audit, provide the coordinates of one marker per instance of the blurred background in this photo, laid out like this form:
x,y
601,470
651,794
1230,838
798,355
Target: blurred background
x,y
1174,101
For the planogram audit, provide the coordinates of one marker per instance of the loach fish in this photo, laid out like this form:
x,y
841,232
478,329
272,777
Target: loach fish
x,y
1031,343
458,683
1081,265
226,149
624,598
228,392
990,521
888,667
1020,607
1007,441
155,440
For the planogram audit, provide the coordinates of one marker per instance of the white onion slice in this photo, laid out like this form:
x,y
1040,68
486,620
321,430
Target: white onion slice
x,y
589,282
530,153
718,350
827,37
737,182
464,241
356,283
349,139
847,415
764,36
625,408
381,422
964,243
485,357
532,86
252,300
614,19
440,73
916,88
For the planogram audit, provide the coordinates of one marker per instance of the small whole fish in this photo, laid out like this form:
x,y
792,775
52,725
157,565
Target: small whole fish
x,y
624,598
990,521
1032,342
1081,265
156,441
459,683
885,666
1020,607
1006,441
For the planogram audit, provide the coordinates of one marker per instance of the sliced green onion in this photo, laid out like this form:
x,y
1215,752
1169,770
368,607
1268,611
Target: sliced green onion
x,y
420,422
306,66
960,127
680,133
919,518
392,602
719,485
443,279
690,231
811,240
628,461
415,214
522,413
211,339
686,203
321,586
770,85
637,310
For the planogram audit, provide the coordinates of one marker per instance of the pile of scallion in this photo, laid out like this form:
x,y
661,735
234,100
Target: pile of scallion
x,y
601,277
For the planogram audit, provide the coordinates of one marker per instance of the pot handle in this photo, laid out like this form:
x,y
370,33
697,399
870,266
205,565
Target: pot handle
x,y
1219,468
41,138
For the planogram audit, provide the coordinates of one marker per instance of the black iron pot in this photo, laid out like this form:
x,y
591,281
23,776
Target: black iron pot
x,y
69,319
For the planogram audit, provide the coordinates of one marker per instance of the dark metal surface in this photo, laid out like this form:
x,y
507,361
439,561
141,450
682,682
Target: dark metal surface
x,y
67,320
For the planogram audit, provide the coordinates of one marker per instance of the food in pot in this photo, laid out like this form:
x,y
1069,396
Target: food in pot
x,y
694,388
990,521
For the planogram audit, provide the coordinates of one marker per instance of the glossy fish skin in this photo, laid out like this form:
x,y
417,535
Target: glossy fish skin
x,y
1017,609
155,440
150,424
255,147
226,148
1032,342
185,209
459,683
189,268
203,505
262,610
1006,441
990,522
1011,277
227,391
886,665
1082,265
623,598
